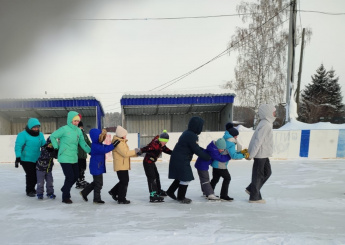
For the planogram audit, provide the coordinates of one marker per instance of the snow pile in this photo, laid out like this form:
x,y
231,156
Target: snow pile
x,y
296,125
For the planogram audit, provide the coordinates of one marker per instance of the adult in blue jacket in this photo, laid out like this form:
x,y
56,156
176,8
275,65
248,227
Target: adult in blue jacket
x,y
97,164
179,165
27,149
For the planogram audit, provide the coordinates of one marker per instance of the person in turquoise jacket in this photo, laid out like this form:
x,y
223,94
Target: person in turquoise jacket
x,y
70,136
27,150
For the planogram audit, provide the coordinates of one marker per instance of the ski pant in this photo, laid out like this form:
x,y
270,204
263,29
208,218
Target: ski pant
x,y
71,172
82,168
48,178
206,187
152,175
260,174
224,173
120,189
95,186
31,179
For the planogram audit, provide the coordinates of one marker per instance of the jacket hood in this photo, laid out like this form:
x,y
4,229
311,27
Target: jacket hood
x,y
266,112
33,122
227,135
212,146
70,117
94,134
195,125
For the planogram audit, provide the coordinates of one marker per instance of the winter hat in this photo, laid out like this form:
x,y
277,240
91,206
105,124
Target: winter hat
x,y
233,132
80,124
76,118
229,125
164,137
120,132
220,143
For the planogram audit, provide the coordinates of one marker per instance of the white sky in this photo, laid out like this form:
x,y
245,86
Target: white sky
x,y
108,58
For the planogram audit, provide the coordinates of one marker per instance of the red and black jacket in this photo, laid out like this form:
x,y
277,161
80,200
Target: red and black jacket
x,y
153,150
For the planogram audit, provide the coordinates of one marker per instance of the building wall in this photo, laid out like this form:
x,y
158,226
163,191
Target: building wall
x,y
5,126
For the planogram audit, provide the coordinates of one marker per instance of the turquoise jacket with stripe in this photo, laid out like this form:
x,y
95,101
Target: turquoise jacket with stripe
x,y
70,137
27,146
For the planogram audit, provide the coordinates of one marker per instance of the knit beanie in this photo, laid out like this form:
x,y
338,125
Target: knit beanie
x,y
221,144
120,131
233,132
80,124
164,137
229,125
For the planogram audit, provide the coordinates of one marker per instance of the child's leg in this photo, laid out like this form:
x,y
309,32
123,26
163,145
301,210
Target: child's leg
x,y
49,183
158,180
87,189
123,184
40,182
98,182
215,177
205,182
151,176
226,182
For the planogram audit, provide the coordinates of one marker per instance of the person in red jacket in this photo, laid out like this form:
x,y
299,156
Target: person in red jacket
x,y
153,151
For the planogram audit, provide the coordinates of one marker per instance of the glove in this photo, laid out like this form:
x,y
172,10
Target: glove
x,y
115,143
138,151
49,148
246,155
244,151
17,161
102,136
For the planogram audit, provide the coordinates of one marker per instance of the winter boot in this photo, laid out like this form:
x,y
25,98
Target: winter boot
x,y
51,196
247,191
124,202
173,187
83,196
155,198
181,194
113,196
213,197
67,201
162,193
31,194
226,198
98,202
40,196
262,201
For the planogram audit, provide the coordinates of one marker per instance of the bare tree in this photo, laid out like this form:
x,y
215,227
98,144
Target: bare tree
x,y
261,63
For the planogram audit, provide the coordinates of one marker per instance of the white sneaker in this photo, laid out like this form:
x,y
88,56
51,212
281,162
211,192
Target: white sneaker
x,y
262,201
213,197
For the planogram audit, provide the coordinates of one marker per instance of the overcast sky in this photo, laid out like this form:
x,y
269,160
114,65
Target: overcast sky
x,y
46,48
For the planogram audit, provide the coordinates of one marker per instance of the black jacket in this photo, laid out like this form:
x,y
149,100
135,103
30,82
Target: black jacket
x,y
186,147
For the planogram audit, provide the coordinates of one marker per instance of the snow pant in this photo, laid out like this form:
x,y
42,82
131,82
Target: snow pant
x,y
260,174
48,178
31,179
152,175
95,186
120,189
205,184
224,173
82,168
71,172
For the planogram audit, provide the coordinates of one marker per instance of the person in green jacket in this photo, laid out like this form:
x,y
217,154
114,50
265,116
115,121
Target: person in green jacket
x,y
70,136
82,156
27,149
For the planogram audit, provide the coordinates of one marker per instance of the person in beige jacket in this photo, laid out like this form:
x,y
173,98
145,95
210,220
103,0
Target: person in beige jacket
x,y
122,163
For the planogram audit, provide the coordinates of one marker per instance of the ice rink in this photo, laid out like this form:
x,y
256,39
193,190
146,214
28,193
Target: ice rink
x,y
305,205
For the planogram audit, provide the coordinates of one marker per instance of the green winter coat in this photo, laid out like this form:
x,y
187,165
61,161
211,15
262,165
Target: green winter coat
x,y
70,137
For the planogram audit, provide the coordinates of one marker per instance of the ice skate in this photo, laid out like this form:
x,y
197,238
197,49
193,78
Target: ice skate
x,y
156,198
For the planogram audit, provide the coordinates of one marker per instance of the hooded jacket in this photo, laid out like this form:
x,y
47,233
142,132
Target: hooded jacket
x,y
70,136
186,147
45,162
122,154
261,144
212,150
27,145
153,150
98,151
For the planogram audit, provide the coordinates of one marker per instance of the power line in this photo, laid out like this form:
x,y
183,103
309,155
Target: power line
x,y
320,12
175,80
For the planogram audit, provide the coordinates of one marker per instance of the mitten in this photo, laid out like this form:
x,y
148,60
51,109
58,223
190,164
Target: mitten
x,y
16,162
246,155
138,151
244,151
115,143
102,136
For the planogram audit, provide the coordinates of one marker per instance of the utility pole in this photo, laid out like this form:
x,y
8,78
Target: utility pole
x,y
300,71
291,57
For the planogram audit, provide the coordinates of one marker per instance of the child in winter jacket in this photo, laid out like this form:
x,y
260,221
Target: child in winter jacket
x,y
220,169
97,164
44,167
179,165
122,163
261,148
215,150
153,150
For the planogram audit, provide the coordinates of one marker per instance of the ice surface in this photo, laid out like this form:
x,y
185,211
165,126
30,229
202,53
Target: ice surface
x,y
305,205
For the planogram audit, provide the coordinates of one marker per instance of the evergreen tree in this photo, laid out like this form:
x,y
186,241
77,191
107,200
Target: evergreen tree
x,y
321,98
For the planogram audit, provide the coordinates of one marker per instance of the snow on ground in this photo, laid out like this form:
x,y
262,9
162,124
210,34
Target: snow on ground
x,y
305,205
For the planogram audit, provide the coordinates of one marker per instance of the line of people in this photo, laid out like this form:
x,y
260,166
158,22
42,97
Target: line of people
x,y
36,155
